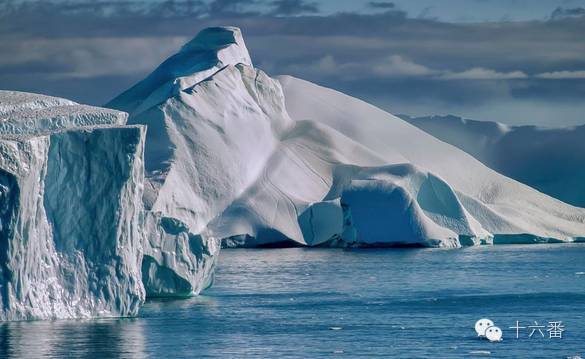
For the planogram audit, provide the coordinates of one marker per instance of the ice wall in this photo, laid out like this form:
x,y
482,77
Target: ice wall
x,y
71,215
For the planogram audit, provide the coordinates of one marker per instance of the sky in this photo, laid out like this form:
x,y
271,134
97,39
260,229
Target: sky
x,y
461,10
513,61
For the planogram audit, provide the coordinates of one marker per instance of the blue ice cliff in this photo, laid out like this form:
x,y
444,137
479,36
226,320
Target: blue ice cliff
x,y
71,181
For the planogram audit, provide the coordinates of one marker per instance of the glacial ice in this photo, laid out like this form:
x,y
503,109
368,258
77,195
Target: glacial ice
x,y
514,150
235,155
495,205
96,214
71,181
212,79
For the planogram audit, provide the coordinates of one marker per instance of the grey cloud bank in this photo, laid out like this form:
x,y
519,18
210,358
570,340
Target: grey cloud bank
x,y
411,65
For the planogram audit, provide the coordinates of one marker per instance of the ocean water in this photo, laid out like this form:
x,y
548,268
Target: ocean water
x,y
310,303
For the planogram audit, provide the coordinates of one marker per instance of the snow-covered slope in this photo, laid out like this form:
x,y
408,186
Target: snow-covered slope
x,y
233,154
70,210
551,160
503,207
185,159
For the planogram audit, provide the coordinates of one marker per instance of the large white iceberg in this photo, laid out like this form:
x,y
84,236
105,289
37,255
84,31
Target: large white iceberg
x,y
548,159
96,214
71,215
233,154
508,210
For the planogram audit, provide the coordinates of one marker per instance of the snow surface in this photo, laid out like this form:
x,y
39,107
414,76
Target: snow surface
x,y
70,210
548,159
23,114
186,186
233,154
503,207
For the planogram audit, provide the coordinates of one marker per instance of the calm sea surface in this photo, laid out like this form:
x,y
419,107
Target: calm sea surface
x,y
308,303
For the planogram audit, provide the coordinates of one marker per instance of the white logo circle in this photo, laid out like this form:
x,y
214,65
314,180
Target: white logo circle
x,y
482,325
493,334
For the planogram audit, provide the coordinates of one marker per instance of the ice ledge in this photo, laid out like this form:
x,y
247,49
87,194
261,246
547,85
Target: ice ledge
x,y
14,102
27,114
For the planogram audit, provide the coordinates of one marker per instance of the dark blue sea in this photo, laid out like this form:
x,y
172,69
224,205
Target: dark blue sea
x,y
311,303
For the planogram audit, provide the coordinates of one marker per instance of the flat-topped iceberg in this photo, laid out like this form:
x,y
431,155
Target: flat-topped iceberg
x,y
71,215
23,114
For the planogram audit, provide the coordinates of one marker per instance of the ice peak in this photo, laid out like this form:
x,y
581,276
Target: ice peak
x,y
207,53
227,41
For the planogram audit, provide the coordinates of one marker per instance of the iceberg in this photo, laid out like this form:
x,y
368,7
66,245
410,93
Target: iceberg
x,y
506,209
71,214
548,159
234,155
186,184
97,212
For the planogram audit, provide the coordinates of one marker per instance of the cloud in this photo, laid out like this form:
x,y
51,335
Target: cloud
x,y
397,66
393,66
123,8
385,5
562,13
326,67
294,7
479,73
232,7
91,50
87,58
560,75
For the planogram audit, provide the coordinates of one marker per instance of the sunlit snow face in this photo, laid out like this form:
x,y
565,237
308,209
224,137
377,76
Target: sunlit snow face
x,y
482,325
493,334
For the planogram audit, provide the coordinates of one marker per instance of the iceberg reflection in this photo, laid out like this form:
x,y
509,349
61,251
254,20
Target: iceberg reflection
x,y
104,338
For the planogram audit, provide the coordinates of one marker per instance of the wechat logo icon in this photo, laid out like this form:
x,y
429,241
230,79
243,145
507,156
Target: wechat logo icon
x,y
485,328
